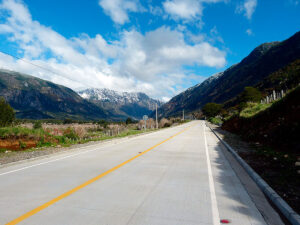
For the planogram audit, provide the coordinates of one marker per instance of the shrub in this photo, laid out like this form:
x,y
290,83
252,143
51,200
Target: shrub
x,y
129,120
253,108
211,109
215,120
7,114
68,121
251,94
164,123
22,145
37,125
70,133
103,123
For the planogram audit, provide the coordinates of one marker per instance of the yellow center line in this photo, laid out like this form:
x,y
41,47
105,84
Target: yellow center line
x,y
66,194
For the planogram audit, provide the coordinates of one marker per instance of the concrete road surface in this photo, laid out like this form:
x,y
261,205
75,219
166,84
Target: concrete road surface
x,y
176,176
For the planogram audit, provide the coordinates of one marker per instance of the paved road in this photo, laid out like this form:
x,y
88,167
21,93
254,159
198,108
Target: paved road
x,y
176,176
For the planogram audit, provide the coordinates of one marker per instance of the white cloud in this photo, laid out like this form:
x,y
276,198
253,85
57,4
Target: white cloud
x,y
248,8
152,62
118,9
249,32
186,9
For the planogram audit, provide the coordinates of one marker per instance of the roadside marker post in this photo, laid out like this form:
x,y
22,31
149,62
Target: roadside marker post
x,y
145,118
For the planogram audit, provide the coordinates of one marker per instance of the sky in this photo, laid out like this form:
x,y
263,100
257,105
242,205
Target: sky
x,y
157,47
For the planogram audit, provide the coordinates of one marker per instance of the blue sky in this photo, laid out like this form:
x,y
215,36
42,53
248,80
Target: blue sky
x,y
157,47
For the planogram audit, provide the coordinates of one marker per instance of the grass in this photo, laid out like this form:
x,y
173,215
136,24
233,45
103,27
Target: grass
x,y
215,120
100,136
69,137
253,108
20,132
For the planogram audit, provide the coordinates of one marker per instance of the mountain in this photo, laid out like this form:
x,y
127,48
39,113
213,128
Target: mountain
x,y
34,98
121,104
263,61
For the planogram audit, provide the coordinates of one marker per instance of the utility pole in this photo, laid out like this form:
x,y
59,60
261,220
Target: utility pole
x,y
156,122
183,114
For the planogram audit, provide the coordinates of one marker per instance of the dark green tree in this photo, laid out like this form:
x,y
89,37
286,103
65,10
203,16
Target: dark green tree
x,y
129,120
7,114
211,109
68,121
251,94
103,123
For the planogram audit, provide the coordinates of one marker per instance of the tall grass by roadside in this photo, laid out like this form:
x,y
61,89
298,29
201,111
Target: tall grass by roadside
x,y
18,137
215,120
253,108
6,132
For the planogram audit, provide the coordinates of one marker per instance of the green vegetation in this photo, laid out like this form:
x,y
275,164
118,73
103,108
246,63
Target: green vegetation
x,y
252,109
22,137
215,120
7,114
37,125
129,121
45,138
6,132
251,94
211,109
103,123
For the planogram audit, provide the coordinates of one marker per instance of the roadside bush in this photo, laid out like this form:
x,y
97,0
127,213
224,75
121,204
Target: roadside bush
x,y
70,133
68,121
211,109
103,123
251,94
7,114
215,120
164,123
22,145
80,131
37,125
129,120
252,109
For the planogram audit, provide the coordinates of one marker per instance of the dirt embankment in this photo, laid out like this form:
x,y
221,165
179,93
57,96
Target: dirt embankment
x,y
277,127
275,135
17,144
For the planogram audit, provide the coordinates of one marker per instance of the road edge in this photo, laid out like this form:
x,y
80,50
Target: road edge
x,y
78,147
284,208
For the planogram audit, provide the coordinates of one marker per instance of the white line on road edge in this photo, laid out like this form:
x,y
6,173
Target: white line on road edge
x,y
214,205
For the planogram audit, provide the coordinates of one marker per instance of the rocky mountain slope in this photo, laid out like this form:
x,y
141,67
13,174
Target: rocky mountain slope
x,y
121,104
34,98
263,61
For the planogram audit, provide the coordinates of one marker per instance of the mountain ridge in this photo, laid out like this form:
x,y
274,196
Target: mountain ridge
x,y
122,104
261,62
35,98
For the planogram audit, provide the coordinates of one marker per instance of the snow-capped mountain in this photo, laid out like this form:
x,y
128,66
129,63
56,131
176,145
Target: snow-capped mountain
x,y
123,104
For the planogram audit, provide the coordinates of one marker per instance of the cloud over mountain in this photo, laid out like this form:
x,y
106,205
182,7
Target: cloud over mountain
x,y
152,62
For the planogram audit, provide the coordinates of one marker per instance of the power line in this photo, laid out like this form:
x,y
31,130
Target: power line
x,y
41,67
